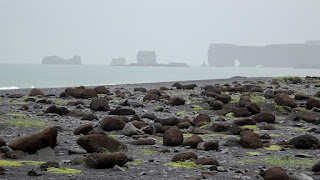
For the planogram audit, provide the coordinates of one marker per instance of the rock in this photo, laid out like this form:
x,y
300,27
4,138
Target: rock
x,y
141,89
249,139
5,149
96,131
122,112
149,116
216,105
305,142
149,97
268,94
78,161
2,142
176,101
99,104
98,142
223,98
36,92
17,154
129,130
313,103
276,173
57,110
264,117
89,117
207,161
173,137
30,100
297,80
168,121
15,96
184,156
300,176
102,161
30,144
83,129
80,93
267,127
231,142
143,141
306,117
189,86
192,141
316,166
49,164
240,112
101,90
112,123
177,85
283,99
77,151
220,127
244,100
235,129
33,173
45,152
197,130
140,124
253,108
2,171
184,125
202,118
301,97
242,122
211,145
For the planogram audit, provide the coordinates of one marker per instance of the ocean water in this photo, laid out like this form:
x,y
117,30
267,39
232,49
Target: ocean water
x,y
44,76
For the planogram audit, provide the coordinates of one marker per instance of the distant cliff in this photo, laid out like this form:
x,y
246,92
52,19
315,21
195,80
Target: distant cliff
x,y
277,55
76,60
146,58
118,62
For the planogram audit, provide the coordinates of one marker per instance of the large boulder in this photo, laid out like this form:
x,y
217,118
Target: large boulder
x,y
313,103
253,108
173,137
101,90
102,161
220,127
301,97
35,142
36,92
202,118
283,99
192,141
98,142
112,123
184,156
57,110
223,97
244,100
2,142
275,173
80,93
306,117
240,112
305,142
264,117
122,112
269,93
249,139
172,121
149,97
216,105
211,145
176,101
99,104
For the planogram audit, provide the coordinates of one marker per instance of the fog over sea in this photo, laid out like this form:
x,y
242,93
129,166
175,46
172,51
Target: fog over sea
x,y
15,76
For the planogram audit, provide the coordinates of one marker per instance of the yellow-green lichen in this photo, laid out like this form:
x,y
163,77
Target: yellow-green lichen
x,y
23,122
63,170
181,113
186,135
16,115
301,129
160,142
273,148
113,135
148,151
230,115
289,161
250,127
32,163
138,161
274,135
183,164
197,109
259,99
254,153
6,163
281,108
20,103
207,125
59,102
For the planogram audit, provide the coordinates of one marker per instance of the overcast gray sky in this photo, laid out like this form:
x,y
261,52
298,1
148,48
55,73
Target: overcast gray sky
x,y
178,30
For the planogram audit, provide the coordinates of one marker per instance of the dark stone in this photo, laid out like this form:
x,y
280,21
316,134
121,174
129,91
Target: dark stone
x,y
216,105
17,154
15,96
306,117
240,112
83,129
184,125
99,104
313,103
249,139
2,142
143,141
112,123
235,129
184,156
172,137
305,142
177,85
122,112
168,121
275,173
101,90
242,122
80,93
89,117
207,161
149,116
220,127
57,110
49,164
192,141
301,97
149,97
98,142
140,89
31,144
268,94
189,86
253,108
223,97
102,161
283,99
264,117
202,118
244,100
176,101
211,145
36,92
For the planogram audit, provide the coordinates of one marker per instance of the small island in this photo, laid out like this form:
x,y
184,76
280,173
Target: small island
x,y
76,60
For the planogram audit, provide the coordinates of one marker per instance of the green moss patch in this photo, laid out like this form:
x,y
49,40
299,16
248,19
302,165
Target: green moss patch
x,y
16,115
59,102
183,164
281,108
274,135
138,161
20,103
63,170
259,99
230,115
6,163
250,127
273,148
207,125
186,135
289,161
301,129
148,151
197,109
23,122
181,113
254,153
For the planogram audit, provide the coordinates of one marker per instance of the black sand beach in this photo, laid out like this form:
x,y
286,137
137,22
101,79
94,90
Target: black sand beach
x,y
247,126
